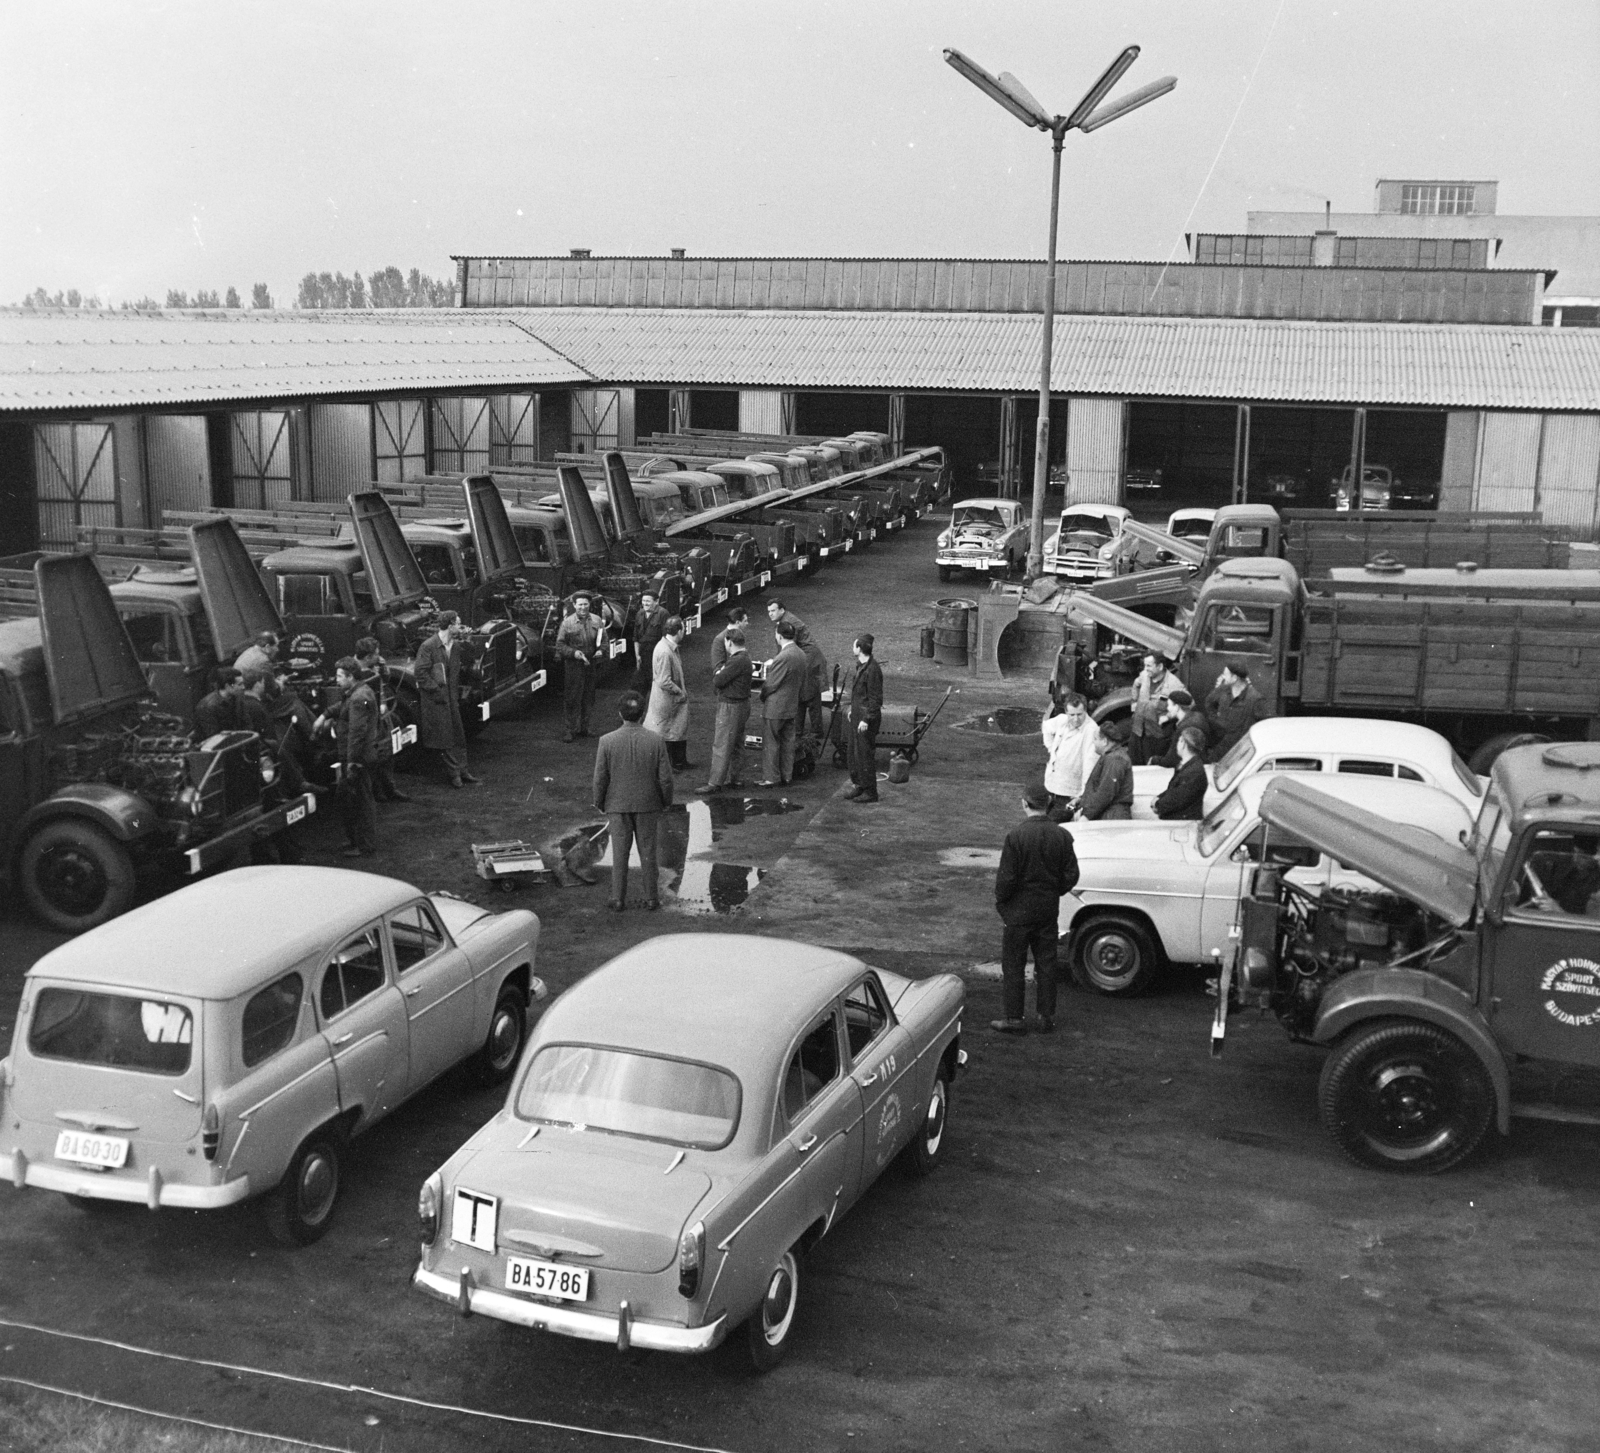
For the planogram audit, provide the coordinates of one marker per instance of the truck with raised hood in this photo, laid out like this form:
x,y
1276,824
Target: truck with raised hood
x,y
98,790
1461,988
1487,657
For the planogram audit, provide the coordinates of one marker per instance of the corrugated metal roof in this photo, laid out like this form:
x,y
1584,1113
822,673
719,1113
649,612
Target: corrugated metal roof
x,y
112,359
1441,365
1202,289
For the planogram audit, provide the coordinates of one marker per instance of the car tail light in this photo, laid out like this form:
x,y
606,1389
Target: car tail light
x,y
210,1132
691,1258
428,1208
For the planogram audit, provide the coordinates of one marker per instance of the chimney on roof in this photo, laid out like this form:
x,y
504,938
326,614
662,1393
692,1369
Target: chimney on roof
x,y
1325,243
580,251
677,252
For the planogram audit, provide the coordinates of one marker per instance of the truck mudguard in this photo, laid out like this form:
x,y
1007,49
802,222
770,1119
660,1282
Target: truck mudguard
x,y
1386,993
125,815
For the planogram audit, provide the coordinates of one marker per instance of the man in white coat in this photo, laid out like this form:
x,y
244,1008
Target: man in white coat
x,y
1069,738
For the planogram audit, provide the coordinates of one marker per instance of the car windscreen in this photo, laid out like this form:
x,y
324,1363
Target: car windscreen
x,y
1191,529
120,1031
679,1102
969,519
1213,829
1233,762
665,509
1080,524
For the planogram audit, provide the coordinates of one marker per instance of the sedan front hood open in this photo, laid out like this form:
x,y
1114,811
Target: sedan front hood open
x,y
1440,876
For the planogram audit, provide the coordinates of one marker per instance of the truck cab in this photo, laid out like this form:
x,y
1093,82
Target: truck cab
x,y
1466,990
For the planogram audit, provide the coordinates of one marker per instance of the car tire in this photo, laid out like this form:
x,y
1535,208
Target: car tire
x,y
1114,955
927,1147
945,573
1405,1096
299,1209
75,875
771,1325
502,1046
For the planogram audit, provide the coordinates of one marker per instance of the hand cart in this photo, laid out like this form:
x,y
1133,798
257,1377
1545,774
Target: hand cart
x,y
903,727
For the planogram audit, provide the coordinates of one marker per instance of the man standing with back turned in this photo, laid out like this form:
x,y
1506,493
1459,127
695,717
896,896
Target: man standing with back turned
x,y
1037,865
632,785
866,715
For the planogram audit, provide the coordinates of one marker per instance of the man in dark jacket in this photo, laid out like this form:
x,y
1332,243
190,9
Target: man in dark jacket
x,y
1185,794
1180,715
866,716
649,625
356,731
222,710
781,684
731,683
438,677
738,620
1037,865
632,786
579,642
809,715
1108,793
1233,707
374,671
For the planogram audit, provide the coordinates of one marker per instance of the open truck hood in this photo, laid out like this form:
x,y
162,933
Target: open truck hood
x,y
393,574
498,552
88,658
619,490
237,604
583,520
1411,861
1152,635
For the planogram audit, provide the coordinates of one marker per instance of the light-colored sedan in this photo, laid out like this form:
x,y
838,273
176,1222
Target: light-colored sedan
x,y
688,1120
990,535
227,1040
1353,746
1155,892
1084,545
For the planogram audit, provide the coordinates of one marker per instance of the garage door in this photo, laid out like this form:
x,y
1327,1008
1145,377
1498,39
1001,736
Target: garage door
x,y
400,442
75,479
1094,451
1569,470
1508,461
514,429
263,461
460,436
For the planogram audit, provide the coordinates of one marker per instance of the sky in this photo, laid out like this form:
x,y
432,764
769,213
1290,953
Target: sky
x,y
212,143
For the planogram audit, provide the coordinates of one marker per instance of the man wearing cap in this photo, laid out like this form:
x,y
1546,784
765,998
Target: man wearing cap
x,y
578,642
866,716
260,654
649,625
1037,865
1108,794
1180,715
356,731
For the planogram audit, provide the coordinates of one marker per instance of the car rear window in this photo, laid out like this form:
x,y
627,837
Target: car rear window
x,y
116,1030
680,1102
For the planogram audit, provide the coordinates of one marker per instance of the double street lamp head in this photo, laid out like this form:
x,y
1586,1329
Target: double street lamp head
x,y
1087,115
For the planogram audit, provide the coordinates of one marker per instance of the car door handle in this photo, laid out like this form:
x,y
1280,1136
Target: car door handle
x,y
344,1039
871,1079
806,1144
413,992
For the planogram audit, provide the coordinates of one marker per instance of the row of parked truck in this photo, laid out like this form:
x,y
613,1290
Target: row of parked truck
x,y
105,653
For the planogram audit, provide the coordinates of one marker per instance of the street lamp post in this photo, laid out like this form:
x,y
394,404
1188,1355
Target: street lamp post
x,y
1088,115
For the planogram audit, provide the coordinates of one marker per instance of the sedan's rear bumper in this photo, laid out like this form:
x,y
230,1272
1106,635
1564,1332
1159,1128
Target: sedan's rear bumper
x,y
152,1191
569,1321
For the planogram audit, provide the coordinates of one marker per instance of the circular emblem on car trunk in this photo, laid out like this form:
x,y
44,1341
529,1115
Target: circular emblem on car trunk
x,y
1574,988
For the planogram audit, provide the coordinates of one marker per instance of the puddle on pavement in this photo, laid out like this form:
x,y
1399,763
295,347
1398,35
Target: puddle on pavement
x,y
970,857
1005,721
690,881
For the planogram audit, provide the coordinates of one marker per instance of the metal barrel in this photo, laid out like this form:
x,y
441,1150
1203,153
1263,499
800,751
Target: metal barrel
x,y
950,629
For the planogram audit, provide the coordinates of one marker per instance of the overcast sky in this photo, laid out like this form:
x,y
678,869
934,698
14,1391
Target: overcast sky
x,y
208,143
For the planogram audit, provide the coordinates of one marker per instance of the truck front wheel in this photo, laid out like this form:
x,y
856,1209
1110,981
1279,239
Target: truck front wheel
x,y
1405,1096
75,875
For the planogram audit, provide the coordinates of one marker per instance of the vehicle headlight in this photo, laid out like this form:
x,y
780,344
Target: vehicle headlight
x,y
944,539
428,1200
190,798
691,1258
1108,549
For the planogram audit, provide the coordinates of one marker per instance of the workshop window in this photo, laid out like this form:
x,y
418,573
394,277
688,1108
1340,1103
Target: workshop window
x,y
1435,200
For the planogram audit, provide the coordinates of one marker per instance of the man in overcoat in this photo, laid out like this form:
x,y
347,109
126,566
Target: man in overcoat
x,y
356,731
632,786
438,675
866,716
578,642
780,704
668,716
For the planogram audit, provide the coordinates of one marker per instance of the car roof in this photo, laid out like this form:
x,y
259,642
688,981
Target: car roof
x,y
1359,736
725,999
221,937
1193,512
339,556
1414,803
988,502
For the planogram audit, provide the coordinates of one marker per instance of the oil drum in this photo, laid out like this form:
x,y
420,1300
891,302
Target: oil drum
x,y
950,629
